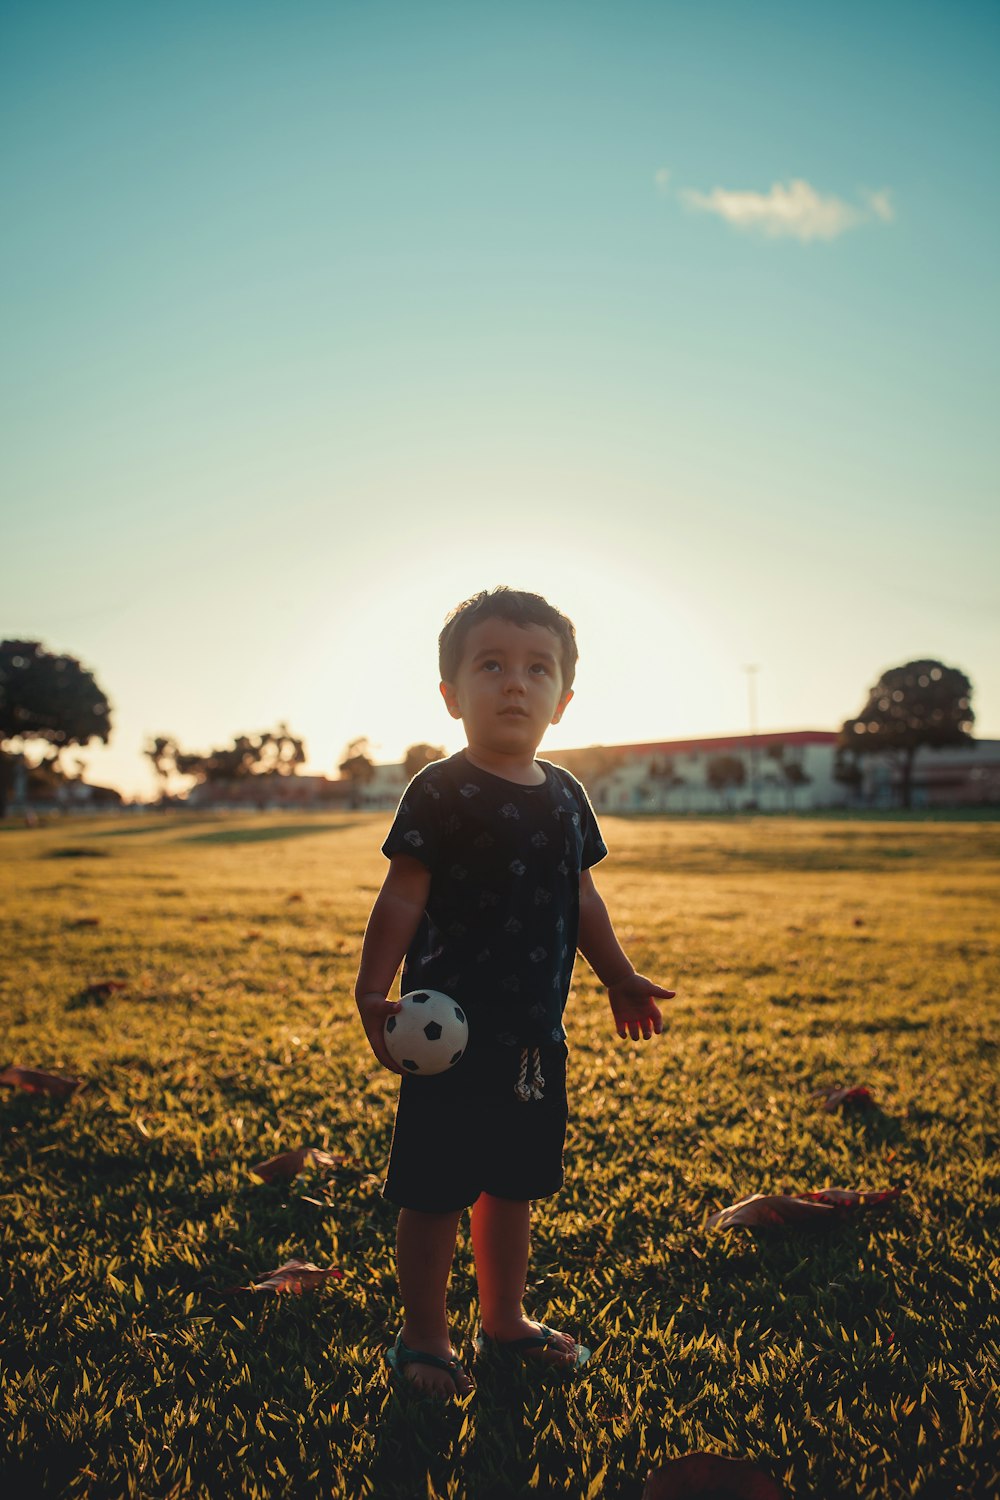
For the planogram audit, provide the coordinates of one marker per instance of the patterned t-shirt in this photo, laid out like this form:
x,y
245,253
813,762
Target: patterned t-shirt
x,y
500,930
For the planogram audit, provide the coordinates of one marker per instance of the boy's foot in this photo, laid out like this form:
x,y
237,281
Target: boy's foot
x,y
536,1344
432,1373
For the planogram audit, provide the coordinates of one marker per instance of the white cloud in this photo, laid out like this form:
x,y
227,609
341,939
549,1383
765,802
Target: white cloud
x,y
795,210
662,176
881,205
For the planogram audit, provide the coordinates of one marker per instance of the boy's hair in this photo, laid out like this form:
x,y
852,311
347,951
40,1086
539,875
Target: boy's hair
x,y
519,608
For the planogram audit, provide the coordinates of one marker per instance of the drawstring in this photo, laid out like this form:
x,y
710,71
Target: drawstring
x,y
522,1088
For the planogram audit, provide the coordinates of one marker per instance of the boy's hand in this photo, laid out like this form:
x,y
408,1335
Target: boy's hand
x,y
633,1007
374,1010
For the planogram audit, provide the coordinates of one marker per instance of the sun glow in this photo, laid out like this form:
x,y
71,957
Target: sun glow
x,y
650,667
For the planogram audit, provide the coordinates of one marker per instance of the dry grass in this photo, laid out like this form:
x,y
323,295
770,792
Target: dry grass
x,y
861,1362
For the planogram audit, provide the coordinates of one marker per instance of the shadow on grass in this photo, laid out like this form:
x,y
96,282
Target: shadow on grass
x,y
176,830
416,1441
75,851
421,1439
264,835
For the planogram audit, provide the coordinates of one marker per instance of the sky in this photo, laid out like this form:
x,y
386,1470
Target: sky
x,y
318,318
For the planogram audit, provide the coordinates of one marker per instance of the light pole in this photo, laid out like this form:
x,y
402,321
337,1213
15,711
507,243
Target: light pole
x,y
751,672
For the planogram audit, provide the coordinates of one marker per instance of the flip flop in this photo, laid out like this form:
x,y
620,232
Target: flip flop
x,y
400,1355
525,1346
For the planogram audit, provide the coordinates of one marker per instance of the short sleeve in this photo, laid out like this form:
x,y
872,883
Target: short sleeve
x,y
590,843
416,828
594,847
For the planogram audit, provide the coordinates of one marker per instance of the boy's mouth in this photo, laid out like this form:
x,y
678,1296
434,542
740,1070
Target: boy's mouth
x,y
517,713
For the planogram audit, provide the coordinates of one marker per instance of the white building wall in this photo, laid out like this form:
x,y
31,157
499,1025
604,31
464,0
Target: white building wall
x,y
630,788
385,788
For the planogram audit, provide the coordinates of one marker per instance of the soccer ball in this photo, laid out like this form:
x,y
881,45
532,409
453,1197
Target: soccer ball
x,y
429,1034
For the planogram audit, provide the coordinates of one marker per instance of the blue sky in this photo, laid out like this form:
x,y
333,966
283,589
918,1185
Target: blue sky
x,y
319,317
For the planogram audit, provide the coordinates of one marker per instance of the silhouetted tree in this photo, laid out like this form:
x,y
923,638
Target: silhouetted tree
x,y
663,775
724,772
163,753
590,764
792,772
274,752
923,703
847,768
280,753
357,767
49,698
418,756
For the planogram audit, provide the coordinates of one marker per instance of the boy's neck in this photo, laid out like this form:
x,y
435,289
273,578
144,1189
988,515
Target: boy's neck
x,y
525,772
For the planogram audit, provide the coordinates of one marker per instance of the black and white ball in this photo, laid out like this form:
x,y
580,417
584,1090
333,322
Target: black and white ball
x,y
429,1034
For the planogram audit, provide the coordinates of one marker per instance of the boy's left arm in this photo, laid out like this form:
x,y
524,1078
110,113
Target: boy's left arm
x,y
633,997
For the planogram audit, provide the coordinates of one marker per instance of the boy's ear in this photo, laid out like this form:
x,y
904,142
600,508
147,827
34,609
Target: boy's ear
x,y
450,695
561,706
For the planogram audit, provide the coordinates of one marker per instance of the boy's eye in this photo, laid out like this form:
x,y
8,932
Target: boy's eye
x,y
490,666
541,668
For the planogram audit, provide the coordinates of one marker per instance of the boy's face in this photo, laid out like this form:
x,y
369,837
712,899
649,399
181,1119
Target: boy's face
x,y
508,687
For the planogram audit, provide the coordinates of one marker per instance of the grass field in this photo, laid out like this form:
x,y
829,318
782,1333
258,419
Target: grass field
x,y
860,1360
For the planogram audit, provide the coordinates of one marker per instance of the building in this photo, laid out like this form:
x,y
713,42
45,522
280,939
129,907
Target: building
x,y
782,771
269,793
770,772
953,777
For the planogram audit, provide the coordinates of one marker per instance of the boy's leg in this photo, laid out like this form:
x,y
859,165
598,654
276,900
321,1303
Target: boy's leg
x,y
425,1247
501,1235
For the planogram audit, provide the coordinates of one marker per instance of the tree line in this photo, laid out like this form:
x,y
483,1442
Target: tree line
x,y
50,702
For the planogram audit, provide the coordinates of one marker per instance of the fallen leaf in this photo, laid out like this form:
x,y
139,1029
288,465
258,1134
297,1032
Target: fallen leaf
x,y
859,921
708,1476
36,1082
857,1095
290,1163
102,989
295,1276
827,1206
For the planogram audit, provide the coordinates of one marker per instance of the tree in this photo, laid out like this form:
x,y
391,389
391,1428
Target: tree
x,y
357,767
792,772
590,765
418,756
923,703
664,776
163,753
273,752
847,769
282,752
49,698
725,771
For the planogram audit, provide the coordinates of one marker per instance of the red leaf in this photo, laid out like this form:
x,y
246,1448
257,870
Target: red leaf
x,y
858,1095
295,1276
710,1477
290,1163
827,1206
36,1082
102,989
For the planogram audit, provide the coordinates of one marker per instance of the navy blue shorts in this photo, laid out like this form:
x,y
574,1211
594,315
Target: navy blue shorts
x,y
461,1134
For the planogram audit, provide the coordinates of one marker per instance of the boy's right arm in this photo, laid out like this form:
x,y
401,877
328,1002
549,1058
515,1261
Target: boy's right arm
x,y
393,923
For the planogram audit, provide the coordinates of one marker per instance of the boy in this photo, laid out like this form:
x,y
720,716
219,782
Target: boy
x,y
488,896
